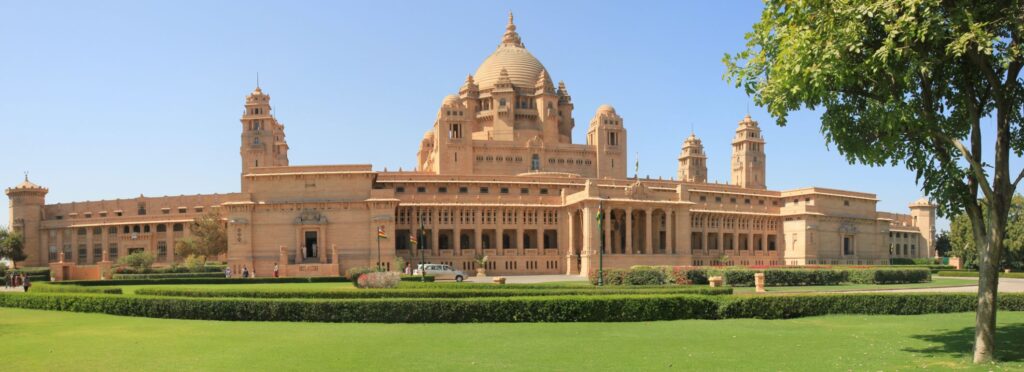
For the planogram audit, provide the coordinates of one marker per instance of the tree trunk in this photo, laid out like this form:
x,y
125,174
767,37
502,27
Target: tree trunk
x,y
985,318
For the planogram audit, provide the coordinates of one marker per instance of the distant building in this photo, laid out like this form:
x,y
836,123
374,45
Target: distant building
x,y
497,174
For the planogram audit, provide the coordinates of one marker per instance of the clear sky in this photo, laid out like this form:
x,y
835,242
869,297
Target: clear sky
x,y
103,100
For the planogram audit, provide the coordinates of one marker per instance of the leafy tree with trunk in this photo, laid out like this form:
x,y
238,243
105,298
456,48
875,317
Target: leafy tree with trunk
x,y
12,246
209,237
963,245
906,82
942,244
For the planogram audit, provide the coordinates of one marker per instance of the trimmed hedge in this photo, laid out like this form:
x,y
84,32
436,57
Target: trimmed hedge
x,y
890,276
417,278
218,280
974,274
168,275
419,310
796,306
612,308
424,292
47,288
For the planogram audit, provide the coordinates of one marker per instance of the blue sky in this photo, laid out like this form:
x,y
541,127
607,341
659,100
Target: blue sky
x,y
102,100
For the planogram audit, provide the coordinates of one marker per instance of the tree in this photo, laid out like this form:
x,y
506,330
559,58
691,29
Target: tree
x,y
962,242
12,246
942,245
906,81
209,237
140,261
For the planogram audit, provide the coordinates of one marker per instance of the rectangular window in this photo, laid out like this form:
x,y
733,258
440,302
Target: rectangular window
x,y
399,189
165,210
543,191
83,254
161,250
112,252
484,190
97,231
718,199
53,253
463,190
524,191
97,252
112,231
703,198
504,190
421,189
442,190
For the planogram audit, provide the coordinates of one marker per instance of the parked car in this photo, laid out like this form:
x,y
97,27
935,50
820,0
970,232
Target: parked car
x,y
440,272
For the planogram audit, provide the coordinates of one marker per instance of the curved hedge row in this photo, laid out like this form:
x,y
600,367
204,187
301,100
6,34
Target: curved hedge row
x,y
217,280
423,292
420,310
613,308
49,288
167,276
974,274
743,277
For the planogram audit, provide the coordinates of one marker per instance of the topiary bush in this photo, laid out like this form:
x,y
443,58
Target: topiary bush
x,y
378,279
611,276
644,276
789,277
215,280
796,306
353,273
166,276
890,276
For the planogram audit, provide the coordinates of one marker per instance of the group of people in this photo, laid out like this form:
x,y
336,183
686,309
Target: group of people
x,y
248,274
14,280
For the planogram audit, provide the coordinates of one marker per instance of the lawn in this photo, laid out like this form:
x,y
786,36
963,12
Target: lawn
x,y
48,340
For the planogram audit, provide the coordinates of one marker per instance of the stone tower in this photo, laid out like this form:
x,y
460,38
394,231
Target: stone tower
x,y
26,213
263,142
607,134
748,155
693,166
923,214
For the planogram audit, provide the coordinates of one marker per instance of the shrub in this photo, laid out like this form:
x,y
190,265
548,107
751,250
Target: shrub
x,y
788,277
192,280
611,276
195,263
137,261
167,276
795,306
427,292
974,274
378,279
736,277
890,276
417,278
901,261
644,276
353,273
73,289
419,310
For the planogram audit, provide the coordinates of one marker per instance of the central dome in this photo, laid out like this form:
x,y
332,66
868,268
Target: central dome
x,y
522,67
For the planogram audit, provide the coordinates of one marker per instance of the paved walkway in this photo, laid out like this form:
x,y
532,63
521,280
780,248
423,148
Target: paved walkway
x,y
11,289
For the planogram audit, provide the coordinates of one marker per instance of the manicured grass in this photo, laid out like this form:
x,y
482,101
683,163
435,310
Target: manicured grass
x,y
935,283
49,340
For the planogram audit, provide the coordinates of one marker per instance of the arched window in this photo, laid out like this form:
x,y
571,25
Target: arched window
x,y
161,228
178,227
535,163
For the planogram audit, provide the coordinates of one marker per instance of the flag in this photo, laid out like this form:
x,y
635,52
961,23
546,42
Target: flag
x,y
380,232
412,239
636,168
600,214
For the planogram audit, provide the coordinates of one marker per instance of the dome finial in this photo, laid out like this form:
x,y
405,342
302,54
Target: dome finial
x,y
511,37
26,176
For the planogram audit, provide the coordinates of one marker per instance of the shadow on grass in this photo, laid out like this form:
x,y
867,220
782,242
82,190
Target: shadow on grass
x,y
959,344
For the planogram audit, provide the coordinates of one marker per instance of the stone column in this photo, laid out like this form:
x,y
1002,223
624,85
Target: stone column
x,y
170,242
106,243
649,239
435,235
629,231
74,246
457,231
540,241
571,247
520,247
499,231
478,242
88,245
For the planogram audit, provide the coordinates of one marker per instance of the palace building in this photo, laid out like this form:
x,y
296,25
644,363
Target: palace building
x,y
497,174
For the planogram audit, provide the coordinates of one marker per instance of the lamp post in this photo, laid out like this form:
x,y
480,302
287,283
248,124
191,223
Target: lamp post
x,y
419,247
600,253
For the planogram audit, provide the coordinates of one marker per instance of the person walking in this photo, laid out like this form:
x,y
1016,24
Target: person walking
x,y
227,272
276,272
26,282
245,271
408,268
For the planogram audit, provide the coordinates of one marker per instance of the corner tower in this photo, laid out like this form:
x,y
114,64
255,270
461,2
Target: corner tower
x,y
607,135
923,213
748,155
263,142
25,216
693,166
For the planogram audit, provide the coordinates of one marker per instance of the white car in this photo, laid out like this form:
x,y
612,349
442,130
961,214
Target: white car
x,y
440,272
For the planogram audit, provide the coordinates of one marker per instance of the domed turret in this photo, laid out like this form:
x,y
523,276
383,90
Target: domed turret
x,y
512,56
693,165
